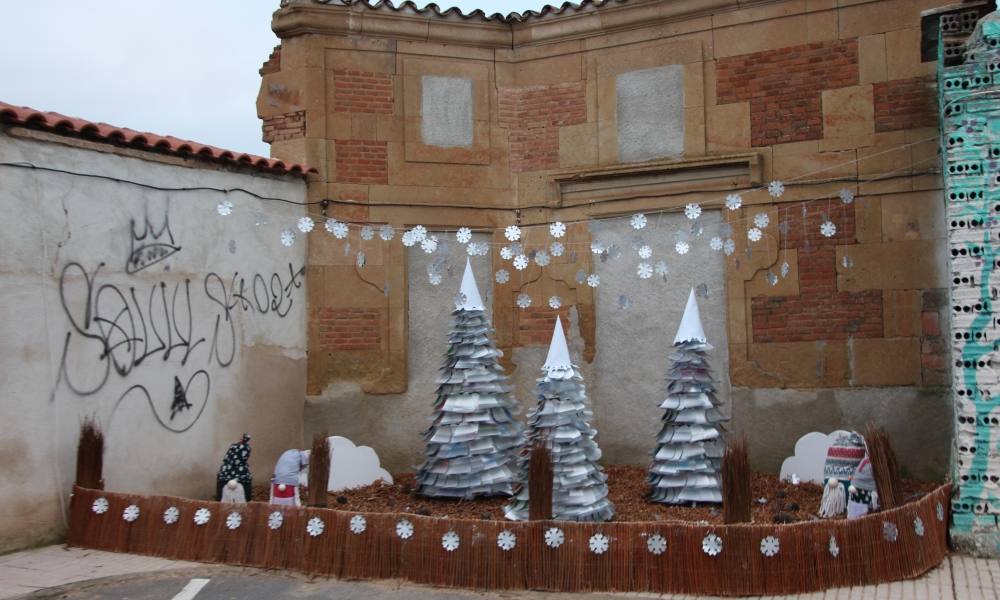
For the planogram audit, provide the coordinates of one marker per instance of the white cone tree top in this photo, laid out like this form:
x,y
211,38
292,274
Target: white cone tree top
x,y
558,358
690,328
469,289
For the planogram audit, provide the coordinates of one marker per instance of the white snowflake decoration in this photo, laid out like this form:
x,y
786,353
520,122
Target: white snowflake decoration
x,y
502,276
404,529
131,513
645,251
512,233
638,221
662,269
556,249
769,546
754,234
644,271
715,244
202,516
557,229
711,544
287,238
367,232
692,211
828,229
734,201
429,245
523,300
593,280
682,247
100,506
464,235
472,249
918,526
506,253
776,189
520,262
729,247
450,541
386,232
358,524
481,248
340,230
555,302
435,278
597,247
419,233
315,527
407,239
656,544
554,537
846,196
274,520
234,520
834,548
306,224
939,511
599,543
761,220
542,258
225,208
506,540
890,532
171,515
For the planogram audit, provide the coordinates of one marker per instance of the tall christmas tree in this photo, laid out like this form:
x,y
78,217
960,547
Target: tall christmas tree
x,y
473,441
689,448
561,421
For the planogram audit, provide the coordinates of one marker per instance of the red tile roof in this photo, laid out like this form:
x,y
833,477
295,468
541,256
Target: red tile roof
x,y
121,136
408,6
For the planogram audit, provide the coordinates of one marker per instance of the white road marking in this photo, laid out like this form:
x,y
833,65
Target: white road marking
x,y
191,589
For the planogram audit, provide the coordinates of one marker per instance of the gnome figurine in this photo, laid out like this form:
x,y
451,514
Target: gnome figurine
x,y
862,497
842,459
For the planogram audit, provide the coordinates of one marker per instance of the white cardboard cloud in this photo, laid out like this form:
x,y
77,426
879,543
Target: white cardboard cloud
x,y
810,456
353,466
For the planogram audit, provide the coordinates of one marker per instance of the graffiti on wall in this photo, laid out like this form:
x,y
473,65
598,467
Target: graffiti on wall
x,y
150,245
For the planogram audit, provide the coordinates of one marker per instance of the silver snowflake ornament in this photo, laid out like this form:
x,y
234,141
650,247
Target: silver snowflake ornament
x,y
520,262
918,526
656,544
769,546
715,244
599,543
776,188
734,201
429,244
555,302
692,211
597,247
554,537
202,516
523,300
729,247
506,540
502,276
682,247
645,251
711,544
638,221
408,239
644,271
754,234
593,280
542,258
100,506
506,253
846,196
171,515
512,233
404,529
828,229
833,547
287,238
419,233
557,249
274,520
340,230
367,232
225,208
450,541
234,520
315,527
386,232
761,220
306,224
358,524
464,235
557,229
131,513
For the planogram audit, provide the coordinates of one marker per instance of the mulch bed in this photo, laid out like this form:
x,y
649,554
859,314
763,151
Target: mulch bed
x,y
774,500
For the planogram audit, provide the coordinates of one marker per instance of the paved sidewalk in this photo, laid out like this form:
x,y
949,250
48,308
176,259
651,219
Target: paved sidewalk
x,y
958,578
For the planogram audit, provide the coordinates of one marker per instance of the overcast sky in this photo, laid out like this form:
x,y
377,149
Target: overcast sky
x,y
186,68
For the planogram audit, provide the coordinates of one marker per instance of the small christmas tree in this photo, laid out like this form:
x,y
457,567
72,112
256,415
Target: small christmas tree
x,y
561,421
473,441
689,448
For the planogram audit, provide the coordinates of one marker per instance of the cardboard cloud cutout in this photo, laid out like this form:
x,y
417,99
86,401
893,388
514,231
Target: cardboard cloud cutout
x,y
810,456
353,466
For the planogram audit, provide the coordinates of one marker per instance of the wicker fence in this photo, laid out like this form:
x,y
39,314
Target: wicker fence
x,y
488,555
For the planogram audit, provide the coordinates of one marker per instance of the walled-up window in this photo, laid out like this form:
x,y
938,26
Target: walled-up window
x,y
446,111
650,113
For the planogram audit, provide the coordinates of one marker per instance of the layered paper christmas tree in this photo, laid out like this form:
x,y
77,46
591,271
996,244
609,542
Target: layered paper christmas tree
x,y
689,447
473,440
561,421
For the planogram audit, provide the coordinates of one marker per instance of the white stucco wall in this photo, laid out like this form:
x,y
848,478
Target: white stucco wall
x,y
66,294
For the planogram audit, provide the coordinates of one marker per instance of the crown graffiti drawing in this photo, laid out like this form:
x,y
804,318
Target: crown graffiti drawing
x,y
150,245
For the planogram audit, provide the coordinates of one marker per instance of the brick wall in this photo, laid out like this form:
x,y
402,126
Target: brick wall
x,y
819,312
905,104
533,116
784,87
285,127
362,161
534,325
934,341
273,62
362,92
349,329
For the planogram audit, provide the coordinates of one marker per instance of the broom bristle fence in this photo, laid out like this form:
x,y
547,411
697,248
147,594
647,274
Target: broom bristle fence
x,y
736,495
540,482
885,469
90,456
319,470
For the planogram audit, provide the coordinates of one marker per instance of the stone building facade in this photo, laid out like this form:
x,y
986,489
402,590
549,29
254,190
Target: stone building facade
x,y
599,111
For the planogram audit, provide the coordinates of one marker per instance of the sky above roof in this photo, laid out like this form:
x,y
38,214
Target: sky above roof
x,y
186,68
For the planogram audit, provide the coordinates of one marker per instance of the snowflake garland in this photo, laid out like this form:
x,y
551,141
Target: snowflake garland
x,y
828,229
645,252
754,234
715,244
502,276
464,235
404,529
593,280
557,229
450,541
542,258
233,520
711,544
131,513
682,247
315,527
506,540
776,188
761,220
367,232
202,516
520,262
338,229
734,201
846,196
644,271
638,221
100,506
287,238
512,233
554,537
506,253
419,233
599,543
429,244
171,515
692,211
358,524
386,232
523,300
656,544
274,520
555,302
729,247
556,249
769,546
306,224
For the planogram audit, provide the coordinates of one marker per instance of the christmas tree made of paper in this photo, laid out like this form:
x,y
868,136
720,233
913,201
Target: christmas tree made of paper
x,y
561,421
689,447
473,441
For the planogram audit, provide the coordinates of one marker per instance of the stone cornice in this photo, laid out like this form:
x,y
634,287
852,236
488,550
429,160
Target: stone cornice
x,y
300,17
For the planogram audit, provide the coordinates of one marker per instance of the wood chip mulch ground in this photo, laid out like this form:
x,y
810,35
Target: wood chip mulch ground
x,y
774,500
